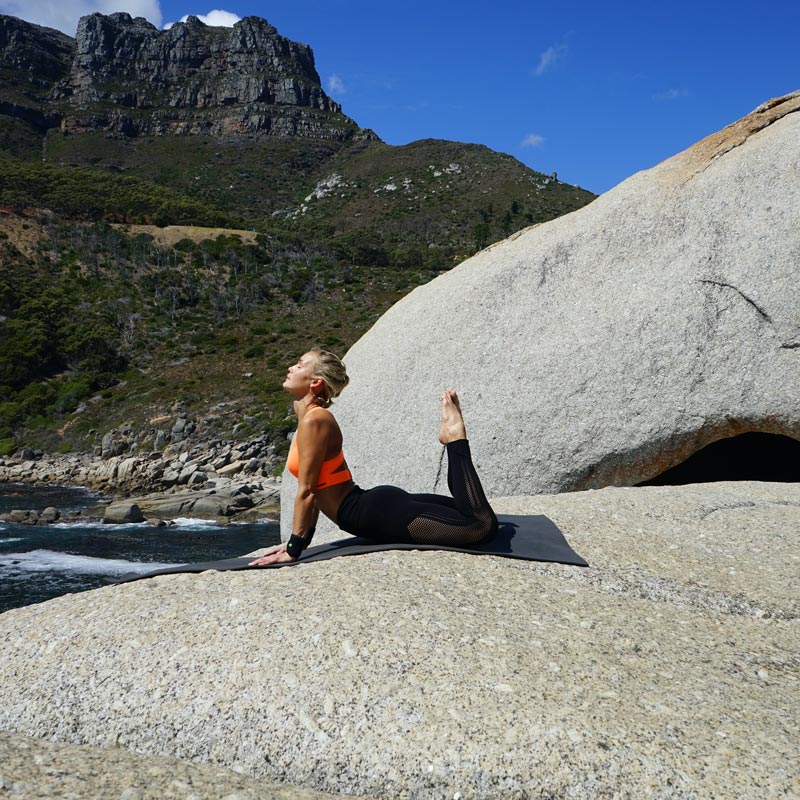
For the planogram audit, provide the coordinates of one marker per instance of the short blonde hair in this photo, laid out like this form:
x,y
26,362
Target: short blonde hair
x,y
331,371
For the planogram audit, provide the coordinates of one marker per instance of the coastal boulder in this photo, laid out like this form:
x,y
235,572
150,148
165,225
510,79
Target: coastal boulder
x,y
666,669
49,515
21,516
113,444
121,512
199,503
607,345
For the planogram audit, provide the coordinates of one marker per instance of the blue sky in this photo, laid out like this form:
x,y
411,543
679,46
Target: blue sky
x,y
594,91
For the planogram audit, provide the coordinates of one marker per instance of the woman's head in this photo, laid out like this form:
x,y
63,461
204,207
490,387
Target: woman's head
x,y
331,371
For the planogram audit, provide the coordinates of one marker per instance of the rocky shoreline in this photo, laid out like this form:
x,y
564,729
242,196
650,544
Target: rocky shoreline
x,y
229,482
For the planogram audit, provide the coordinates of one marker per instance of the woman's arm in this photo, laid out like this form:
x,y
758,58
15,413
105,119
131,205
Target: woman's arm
x,y
312,442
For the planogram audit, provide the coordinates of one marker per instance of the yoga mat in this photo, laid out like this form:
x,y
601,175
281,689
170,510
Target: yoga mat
x,y
534,538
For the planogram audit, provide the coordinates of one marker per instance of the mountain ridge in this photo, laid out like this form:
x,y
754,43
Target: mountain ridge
x,y
126,76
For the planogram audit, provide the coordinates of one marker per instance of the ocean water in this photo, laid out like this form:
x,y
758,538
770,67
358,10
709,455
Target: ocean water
x,y
40,562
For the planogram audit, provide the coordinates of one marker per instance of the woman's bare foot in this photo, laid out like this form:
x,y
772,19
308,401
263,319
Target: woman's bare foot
x,y
452,427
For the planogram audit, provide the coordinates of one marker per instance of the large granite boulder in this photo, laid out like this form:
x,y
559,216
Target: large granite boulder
x,y
607,345
666,669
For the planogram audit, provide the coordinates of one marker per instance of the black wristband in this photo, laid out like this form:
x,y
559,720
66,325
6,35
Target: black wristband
x,y
296,544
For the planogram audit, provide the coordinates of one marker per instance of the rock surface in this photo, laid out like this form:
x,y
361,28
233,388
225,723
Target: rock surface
x,y
667,669
32,60
610,344
32,769
122,512
188,478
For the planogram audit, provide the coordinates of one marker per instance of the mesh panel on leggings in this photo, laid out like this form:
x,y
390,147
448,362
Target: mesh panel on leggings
x,y
477,520
427,529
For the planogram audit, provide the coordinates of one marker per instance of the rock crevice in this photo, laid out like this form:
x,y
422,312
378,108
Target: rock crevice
x,y
741,294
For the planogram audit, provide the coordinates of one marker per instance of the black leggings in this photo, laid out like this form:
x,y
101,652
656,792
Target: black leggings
x,y
389,514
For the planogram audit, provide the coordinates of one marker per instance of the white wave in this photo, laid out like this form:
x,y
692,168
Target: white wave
x,y
50,561
8,541
203,524
180,522
96,525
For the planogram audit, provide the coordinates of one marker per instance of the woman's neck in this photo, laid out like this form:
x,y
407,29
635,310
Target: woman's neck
x,y
304,405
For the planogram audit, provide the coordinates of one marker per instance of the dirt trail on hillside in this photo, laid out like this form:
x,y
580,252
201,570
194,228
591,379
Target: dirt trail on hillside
x,y
27,229
172,234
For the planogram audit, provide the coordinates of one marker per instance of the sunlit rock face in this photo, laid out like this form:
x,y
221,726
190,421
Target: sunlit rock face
x,y
608,345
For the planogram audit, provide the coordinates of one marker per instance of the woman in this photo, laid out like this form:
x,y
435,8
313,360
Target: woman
x,y
385,513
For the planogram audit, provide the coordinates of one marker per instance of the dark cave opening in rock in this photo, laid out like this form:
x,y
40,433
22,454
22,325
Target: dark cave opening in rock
x,y
747,457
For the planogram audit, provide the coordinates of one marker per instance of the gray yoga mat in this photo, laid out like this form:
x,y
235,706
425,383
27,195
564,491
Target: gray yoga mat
x,y
534,538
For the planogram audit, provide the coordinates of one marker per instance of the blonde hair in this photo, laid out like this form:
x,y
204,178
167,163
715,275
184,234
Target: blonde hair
x,y
331,371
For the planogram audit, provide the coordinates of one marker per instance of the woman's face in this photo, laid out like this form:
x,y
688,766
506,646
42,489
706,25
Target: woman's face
x,y
299,377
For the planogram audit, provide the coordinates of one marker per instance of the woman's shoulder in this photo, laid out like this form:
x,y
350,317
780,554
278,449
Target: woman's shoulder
x,y
313,419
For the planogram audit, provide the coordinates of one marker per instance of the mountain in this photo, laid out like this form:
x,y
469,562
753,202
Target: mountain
x,y
237,117
125,76
32,60
129,77
314,226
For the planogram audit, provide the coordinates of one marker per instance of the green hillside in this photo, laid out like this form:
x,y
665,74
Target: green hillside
x,y
84,193
101,327
454,197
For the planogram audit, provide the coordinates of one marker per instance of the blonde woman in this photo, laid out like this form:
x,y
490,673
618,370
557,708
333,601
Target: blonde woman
x,y
384,513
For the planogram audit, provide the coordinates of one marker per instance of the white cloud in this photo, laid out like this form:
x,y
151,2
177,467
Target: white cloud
x,y
216,19
550,58
336,85
64,14
532,140
671,94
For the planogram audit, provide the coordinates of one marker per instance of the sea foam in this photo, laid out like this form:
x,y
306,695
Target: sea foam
x,y
51,561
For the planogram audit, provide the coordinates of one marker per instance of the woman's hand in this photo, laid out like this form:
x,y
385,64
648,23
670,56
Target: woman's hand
x,y
275,555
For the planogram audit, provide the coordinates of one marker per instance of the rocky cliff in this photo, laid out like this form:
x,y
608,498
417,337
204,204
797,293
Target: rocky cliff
x,y
32,60
126,76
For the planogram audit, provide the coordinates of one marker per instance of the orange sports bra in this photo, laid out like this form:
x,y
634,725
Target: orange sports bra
x,y
332,471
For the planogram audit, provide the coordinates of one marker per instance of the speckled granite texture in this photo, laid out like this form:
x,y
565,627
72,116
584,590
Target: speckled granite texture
x,y
668,669
33,769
